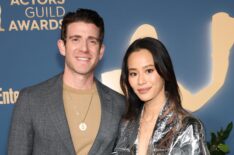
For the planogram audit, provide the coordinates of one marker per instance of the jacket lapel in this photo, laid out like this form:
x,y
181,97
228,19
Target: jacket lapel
x,y
57,114
106,109
132,133
167,119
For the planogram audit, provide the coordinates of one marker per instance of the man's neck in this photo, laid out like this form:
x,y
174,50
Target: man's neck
x,y
82,82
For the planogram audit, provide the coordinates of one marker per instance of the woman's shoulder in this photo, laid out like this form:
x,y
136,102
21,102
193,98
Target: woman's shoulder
x,y
189,119
192,124
190,135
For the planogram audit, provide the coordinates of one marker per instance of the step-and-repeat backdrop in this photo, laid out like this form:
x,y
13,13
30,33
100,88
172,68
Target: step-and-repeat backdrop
x,y
199,36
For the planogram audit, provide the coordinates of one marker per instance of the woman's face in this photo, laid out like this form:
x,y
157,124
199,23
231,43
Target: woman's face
x,y
143,76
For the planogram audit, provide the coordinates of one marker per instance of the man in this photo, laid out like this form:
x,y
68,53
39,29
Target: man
x,y
71,113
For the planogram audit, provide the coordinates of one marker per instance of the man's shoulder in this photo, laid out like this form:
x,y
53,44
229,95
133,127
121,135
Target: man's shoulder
x,y
108,89
117,98
43,86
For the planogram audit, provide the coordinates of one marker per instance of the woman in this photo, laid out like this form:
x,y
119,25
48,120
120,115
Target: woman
x,y
155,123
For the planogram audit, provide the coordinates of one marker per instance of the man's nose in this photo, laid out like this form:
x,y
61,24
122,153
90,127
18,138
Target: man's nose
x,y
84,46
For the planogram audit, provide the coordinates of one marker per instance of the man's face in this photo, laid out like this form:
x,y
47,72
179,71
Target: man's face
x,y
83,49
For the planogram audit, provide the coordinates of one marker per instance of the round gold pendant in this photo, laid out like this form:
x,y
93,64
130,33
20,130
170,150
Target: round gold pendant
x,y
83,126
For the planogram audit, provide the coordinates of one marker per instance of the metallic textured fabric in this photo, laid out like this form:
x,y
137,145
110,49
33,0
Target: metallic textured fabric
x,y
174,134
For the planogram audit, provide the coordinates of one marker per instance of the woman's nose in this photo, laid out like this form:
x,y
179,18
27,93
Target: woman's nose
x,y
141,79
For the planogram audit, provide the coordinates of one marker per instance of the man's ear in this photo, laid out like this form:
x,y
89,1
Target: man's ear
x,y
102,49
61,47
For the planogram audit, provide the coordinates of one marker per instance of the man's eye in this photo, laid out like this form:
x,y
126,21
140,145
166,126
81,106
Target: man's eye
x,y
93,41
75,39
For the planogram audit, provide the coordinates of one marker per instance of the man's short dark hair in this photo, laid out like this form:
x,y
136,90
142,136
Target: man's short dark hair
x,y
84,15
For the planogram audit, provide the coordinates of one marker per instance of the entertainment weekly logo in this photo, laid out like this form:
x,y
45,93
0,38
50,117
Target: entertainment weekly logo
x,y
35,15
8,96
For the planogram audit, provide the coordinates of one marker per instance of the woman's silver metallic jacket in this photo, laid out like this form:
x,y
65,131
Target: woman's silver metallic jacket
x,y
174,134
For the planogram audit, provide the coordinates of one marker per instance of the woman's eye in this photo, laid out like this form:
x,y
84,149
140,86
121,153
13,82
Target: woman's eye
x,y
132,74
149,70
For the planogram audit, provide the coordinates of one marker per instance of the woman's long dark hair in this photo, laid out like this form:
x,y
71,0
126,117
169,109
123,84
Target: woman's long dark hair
x,y
164,67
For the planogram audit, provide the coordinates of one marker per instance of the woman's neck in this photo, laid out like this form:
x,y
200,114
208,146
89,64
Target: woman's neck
x,y
152,108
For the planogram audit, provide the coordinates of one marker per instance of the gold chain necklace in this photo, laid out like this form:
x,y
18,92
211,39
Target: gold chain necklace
x,y
83,125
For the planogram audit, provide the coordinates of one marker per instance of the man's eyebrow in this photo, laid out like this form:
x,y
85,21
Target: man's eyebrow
x,y
74,36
